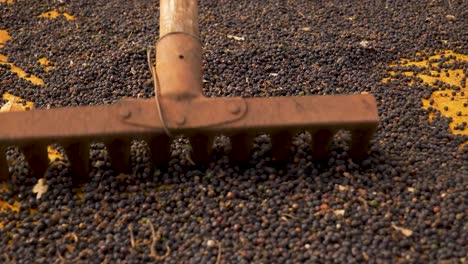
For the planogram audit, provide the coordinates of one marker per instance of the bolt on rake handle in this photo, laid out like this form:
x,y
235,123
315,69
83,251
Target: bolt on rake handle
x,y
179,51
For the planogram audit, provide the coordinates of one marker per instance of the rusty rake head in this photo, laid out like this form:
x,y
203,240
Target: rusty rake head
x,y
181,109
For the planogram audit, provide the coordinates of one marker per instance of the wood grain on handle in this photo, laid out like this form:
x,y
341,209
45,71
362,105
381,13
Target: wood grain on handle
x,y
178,16
179,56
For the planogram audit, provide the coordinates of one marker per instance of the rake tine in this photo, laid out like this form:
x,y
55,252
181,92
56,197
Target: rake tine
x,y
78,156
4,172
160,147
202,145
37,157
119,153
281,145
321,141
241,146
181,109
360,141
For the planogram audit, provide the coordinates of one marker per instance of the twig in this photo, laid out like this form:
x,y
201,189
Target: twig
x,y
132,239
74,260
366,207
155,78
300,13
71,235
8,260
82,253
290,216
106,260
120,218
218,258
155,238
62,259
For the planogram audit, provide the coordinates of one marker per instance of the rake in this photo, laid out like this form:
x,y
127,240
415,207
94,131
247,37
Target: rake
x,y
179,108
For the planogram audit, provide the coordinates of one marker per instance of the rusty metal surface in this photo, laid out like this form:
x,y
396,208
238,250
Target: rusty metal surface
x,y
180,109
129,119
137,118
3,165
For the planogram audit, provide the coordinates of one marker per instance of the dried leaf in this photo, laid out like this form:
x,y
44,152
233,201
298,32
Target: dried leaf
x,y
365,256
450,17
342,188
273,74
410,189
51,14
4,36
46,63
70,248
306,28
15,103
404,231
364,43
40,188
235,37
7,107
69,16
339,212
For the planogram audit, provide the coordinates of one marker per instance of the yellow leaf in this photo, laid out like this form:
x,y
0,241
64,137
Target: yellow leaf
x,y
69,17
4,37
46,63
5,205
20,72
51,14
451,103
15,103
55,14
53,154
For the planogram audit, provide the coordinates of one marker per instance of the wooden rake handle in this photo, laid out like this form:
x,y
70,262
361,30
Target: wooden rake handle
x,y
178,16
179,72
